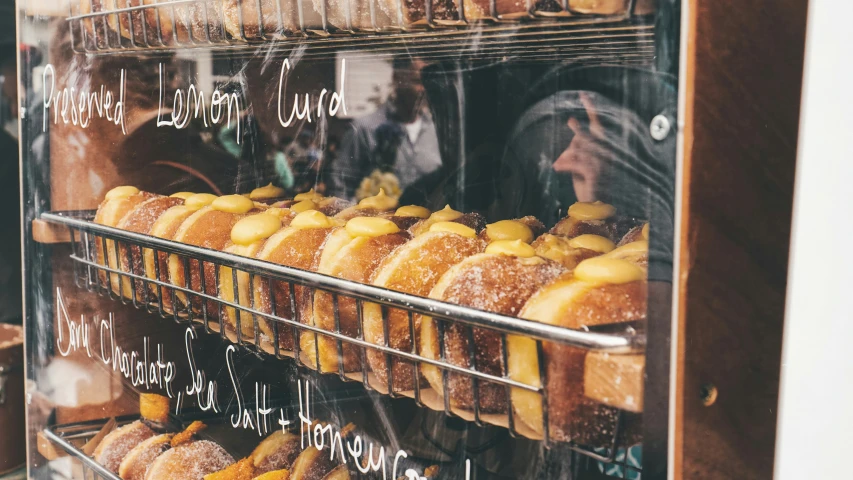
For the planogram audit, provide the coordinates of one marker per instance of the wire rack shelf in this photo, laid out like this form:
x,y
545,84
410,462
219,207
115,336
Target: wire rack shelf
x,y
204,307
538,29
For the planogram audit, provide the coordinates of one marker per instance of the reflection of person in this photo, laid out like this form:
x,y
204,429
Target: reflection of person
x,y
398,138
585,156
581,146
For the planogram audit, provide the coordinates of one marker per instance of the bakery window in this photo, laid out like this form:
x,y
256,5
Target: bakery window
x,y
347,239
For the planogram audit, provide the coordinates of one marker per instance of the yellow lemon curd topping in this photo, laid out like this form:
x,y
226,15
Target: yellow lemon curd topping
x,y
595,243
509,230
371,227
269,191
412,211
380,201
278,212
608,270
309,195
303,206
591,211
255,227
446,214
453,227
312,219
553,247
515,248
182,195
121,192
199,200
233,204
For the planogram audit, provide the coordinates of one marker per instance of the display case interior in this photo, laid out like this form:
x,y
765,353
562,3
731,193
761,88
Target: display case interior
x,y
419,240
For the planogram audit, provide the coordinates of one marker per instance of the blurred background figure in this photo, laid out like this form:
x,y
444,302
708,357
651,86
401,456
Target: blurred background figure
x,y
393,147
10,236
304,158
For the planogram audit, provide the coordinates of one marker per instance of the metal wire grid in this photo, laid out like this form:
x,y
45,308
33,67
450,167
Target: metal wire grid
x,y
71,438
188,23
612,43
84,235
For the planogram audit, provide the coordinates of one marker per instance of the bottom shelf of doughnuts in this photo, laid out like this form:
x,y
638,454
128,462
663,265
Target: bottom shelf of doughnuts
x,y
139,448
159,447
578,387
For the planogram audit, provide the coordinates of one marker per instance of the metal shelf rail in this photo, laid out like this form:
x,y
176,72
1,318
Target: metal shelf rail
x,y
100,277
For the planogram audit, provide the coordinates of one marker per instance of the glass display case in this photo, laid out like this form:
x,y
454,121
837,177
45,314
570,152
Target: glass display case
x,y
338,239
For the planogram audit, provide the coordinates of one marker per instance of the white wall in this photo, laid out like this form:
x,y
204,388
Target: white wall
x,y
816,397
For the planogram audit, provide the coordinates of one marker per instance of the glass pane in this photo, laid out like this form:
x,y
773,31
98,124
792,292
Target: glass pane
x,y
353,238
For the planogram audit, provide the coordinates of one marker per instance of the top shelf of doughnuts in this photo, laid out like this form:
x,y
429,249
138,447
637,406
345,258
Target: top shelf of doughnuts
x,y
618,30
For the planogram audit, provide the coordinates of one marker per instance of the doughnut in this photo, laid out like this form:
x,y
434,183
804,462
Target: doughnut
x,y
248,237
447,214
568,252
117,203
341,472
329,206
413,211
96,27
296,246
312,464
189,461
137,462
412,268
270,459
635,252
209,227
300,197
525,229
611,7
640,232
481,9
358,12
278,451
595,218
414,11
115,446
352,253
499,280
369,207
601,290
332,205
267,195
140,220
166,227
157,29
404,221
258,24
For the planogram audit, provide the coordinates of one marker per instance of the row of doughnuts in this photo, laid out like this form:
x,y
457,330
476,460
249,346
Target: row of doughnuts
x,y
589,269
200,21
147,449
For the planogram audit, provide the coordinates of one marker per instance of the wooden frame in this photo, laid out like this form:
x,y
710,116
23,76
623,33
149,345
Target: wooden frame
x,y
741,80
